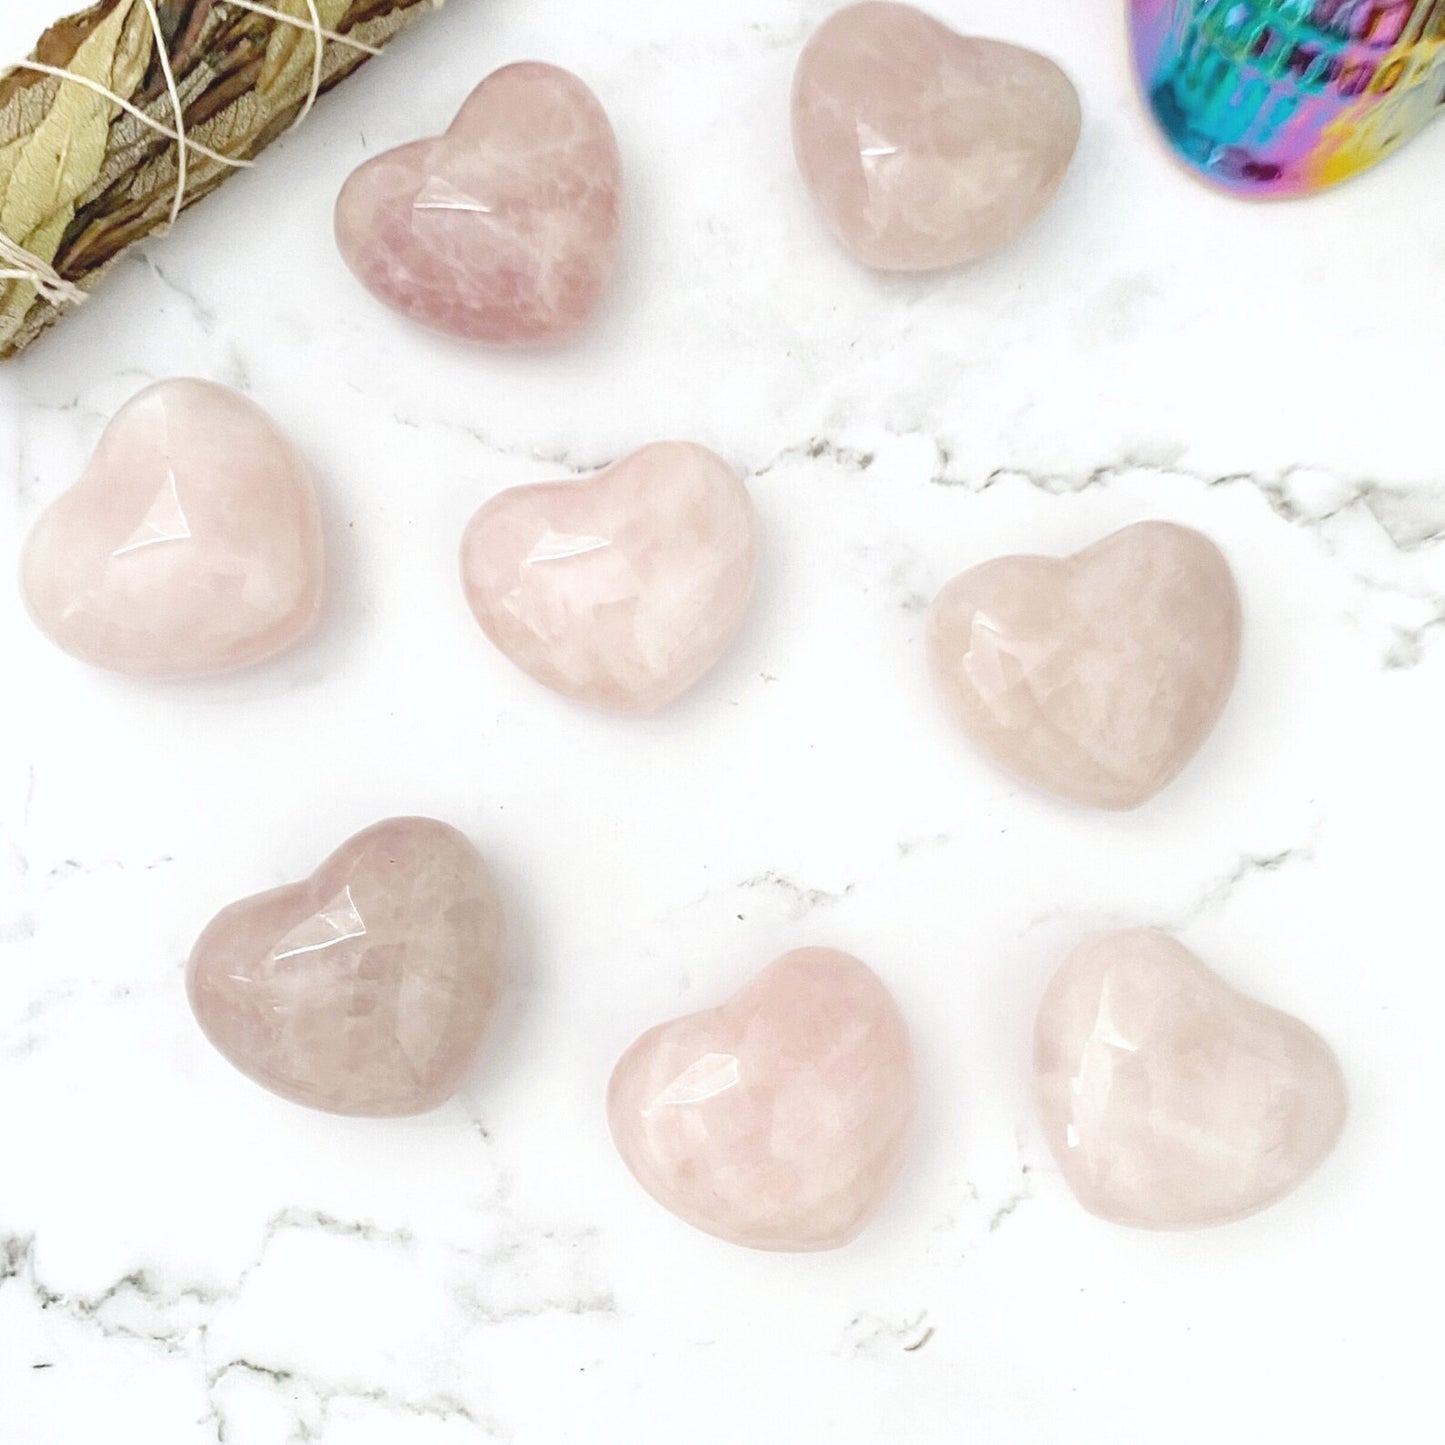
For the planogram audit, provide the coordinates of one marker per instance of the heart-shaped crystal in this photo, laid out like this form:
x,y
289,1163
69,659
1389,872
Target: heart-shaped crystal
x,y
1098,676
922,147
1169,1100
505,229
622,589
191,545
365,989
779,1120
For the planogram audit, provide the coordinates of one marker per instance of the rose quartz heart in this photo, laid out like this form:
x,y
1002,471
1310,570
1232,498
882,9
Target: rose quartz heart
x,y
505,229
1169,1100
924,148
365,989
1096,677
191,545
623,589
780,1120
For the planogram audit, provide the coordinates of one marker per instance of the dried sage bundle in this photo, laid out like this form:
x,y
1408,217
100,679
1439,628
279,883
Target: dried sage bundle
x,y
83,178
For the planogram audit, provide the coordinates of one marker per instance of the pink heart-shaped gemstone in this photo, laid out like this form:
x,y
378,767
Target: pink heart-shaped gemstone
x,y
191,545
1169,1100
622,589
925,148
779,1120
1098,676
365,989
505,229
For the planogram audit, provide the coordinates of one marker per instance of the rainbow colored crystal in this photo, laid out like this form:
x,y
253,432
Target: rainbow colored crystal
x,y
1287,97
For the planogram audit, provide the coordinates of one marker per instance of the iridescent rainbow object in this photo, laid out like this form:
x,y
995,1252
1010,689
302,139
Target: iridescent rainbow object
x,y
1287,97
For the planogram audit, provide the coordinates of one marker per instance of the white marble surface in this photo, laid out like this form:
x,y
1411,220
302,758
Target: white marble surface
x,y
185,1260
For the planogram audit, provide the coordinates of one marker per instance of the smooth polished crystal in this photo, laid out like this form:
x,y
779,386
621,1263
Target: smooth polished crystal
x,y
191,544
924,148
779,1120
623,589
505,229
1098,676
365,989
1169,1100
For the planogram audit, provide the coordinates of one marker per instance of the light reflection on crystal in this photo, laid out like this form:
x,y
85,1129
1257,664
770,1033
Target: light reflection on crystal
x,y
165,522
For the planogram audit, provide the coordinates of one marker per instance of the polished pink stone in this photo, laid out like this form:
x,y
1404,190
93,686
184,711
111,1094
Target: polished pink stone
x,y
1169,1100
191,545
365,989
1096,677
505,229
924,148
622,589
779,1120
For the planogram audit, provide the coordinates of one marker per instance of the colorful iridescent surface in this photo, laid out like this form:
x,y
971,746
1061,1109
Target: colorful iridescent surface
x,y
1287,97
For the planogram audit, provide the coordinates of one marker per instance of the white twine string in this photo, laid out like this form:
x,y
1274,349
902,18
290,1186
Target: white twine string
x,y
23,265
316,58
183,149
48,282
